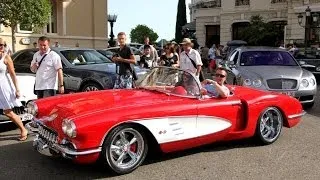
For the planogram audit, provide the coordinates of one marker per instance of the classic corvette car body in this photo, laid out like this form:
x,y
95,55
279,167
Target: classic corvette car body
x,y
120,125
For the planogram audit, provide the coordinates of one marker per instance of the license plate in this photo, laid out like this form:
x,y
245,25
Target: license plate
x,y
26,117
289,93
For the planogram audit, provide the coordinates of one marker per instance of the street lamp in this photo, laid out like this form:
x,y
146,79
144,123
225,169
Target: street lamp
x,y
112,19
310,23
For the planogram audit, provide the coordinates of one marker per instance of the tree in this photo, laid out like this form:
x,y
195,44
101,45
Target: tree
x,y
138,33
259,33
32,13
181,19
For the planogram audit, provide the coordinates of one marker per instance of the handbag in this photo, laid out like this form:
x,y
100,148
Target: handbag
x,y
201,76
34,87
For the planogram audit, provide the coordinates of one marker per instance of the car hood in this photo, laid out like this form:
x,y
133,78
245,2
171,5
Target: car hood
x,y
271,72
108,67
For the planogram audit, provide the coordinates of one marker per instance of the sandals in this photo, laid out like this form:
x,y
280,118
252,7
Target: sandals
x,y
23,138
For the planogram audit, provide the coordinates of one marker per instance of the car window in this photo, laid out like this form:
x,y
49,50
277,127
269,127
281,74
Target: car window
x,y
232,54
234,57
24,58
267,58
82,57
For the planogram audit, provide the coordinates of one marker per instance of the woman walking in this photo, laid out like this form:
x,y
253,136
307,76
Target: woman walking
x,y
9,94
169,58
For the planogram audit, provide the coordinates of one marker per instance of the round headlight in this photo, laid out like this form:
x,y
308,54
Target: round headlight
x,y
69,128
305,83
247,82
318,68
32,108
257,83
312,81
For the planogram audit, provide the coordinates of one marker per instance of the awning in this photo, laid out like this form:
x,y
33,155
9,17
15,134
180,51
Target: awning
x,y
191,26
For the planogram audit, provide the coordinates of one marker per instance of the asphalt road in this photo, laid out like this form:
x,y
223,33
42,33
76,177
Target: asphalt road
x,y
295,155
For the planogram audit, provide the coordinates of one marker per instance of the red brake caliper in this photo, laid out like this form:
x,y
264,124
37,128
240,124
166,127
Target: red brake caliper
x,y
133,147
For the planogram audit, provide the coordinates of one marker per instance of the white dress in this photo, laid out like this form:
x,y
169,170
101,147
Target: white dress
x,y
8,98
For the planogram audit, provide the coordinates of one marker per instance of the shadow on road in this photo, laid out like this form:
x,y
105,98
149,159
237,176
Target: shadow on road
x,y
27,162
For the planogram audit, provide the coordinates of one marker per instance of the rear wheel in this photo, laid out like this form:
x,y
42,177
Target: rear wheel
x,y
125,149
269,125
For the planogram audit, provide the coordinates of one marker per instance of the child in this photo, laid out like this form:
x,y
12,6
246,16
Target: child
x,y
146,59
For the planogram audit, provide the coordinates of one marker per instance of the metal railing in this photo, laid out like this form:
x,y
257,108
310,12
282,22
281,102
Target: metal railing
x,y
278,1
242,2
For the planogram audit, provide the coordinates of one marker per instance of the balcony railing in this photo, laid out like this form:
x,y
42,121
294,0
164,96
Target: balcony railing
x,y
206,4
278,1
242,2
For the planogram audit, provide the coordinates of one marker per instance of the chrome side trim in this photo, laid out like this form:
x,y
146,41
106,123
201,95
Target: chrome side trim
x,y
297,115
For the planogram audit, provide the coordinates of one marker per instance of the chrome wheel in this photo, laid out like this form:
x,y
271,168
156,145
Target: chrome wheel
x,y
126,149
270,125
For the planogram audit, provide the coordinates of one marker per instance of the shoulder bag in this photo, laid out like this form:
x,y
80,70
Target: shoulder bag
x,y
201,76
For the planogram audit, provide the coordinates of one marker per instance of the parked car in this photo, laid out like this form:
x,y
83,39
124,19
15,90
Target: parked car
x,y
26,91
271,69
110,51
120,126
231,45
84,69
310,60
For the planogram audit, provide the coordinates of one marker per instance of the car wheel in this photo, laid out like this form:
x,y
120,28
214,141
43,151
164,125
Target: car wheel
x,y
91,87
269,125
124,149
308,106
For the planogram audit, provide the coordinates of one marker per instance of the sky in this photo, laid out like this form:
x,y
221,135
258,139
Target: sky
x,y
160,15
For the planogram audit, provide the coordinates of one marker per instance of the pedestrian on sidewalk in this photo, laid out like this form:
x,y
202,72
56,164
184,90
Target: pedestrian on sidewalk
x,y
48,66
154,54
190,59
124,58
9,92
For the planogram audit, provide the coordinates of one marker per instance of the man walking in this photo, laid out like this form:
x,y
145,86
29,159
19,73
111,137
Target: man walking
x,y
124,59
190,59
48,68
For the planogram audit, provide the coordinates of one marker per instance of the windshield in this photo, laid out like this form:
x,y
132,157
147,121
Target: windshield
x,y
83,57
267,58
170,81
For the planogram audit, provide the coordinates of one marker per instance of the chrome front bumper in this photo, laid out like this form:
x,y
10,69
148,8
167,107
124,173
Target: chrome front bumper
x,y
43,145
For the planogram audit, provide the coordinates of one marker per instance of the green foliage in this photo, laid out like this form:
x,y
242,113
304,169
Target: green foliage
x,y
259,33
181,19
138,33
29,13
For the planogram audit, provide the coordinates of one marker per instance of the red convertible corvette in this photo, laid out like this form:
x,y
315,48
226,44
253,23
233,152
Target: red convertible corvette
x,y
166,109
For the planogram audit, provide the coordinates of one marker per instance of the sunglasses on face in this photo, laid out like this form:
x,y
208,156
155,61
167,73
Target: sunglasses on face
x,y
220,75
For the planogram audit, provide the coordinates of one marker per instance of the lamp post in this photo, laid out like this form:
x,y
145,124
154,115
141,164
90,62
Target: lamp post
x,y
112,19
310,23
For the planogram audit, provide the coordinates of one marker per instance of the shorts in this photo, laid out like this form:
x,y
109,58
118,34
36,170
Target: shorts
x,y
213,64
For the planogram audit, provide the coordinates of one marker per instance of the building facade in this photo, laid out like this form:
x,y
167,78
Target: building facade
x,y
219,21
72,23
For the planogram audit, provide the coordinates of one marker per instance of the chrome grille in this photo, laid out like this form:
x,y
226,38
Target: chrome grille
x,y
17,110
286,84
48,134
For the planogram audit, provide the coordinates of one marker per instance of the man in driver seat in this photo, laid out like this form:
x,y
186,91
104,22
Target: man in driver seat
x,y
216,88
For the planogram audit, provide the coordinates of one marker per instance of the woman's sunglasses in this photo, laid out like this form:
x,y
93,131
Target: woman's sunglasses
x,y
1,44
220,75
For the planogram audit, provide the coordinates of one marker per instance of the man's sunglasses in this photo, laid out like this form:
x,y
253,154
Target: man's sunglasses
x,y
220,75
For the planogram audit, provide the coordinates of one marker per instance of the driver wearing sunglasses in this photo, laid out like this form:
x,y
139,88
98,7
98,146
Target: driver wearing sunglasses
x,y
216,88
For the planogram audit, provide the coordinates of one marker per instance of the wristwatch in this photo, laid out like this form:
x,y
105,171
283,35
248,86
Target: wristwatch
x,y
61,85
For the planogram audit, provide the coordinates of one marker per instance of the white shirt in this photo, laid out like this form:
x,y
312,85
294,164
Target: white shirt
x,y
185,62
47,73
212,53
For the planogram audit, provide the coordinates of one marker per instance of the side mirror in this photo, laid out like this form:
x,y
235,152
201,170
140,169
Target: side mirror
x,y
231,64
302,63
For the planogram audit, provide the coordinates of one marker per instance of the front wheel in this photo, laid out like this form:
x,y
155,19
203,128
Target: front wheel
x,y
124,149
269,125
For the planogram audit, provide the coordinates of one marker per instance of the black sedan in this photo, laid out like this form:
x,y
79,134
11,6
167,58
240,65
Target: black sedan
x,y
84,69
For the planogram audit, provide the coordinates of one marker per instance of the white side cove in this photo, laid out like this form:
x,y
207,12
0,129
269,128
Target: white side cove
x,y
26,84
170,129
